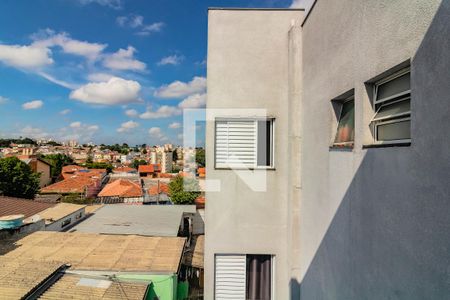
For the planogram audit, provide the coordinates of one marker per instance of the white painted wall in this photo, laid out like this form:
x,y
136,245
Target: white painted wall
x,y
248,68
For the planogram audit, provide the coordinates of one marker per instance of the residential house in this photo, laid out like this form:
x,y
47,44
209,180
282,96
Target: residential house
x,y
55,216
78,181
38,166
122,191
151,170
158,192
86,265
62,216
81,186
352,144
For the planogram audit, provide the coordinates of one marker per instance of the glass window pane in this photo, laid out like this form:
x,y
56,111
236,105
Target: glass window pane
x,y
264,143
394,109
393,87
394,131
346,127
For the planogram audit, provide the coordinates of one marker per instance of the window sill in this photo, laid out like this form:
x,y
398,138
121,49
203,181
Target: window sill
x,y
370,146
250,169
344,148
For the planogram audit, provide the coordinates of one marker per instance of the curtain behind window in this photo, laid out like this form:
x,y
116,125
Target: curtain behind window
x,y
259,277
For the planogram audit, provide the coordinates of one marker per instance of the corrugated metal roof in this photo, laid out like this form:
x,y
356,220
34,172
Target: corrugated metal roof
x,y
148,220
18,206
18,277
194,258
72,286
87,251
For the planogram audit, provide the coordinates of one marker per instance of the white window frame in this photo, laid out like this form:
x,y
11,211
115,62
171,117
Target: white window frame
x,y
395,118
272,271
246,119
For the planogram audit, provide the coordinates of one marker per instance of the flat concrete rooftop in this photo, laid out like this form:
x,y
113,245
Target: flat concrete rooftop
x,y
147,220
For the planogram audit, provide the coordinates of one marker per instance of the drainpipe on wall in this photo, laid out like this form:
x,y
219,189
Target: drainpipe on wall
x,y
294,148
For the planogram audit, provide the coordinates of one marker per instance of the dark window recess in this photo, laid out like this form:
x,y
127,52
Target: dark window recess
x,y
345,133
66,222
259,277
265,143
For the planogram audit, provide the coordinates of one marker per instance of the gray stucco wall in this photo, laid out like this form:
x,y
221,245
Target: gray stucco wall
x,y
375,223
248,68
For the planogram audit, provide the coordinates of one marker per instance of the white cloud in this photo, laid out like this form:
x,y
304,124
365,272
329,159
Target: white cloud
x,y
164,111
35,104
127,126
132,113
156,132
48,38
306,4
78,131
115,4
93,128
33,132
132,21
99,77
178,89
28,57
57,81
75,124
123,60
115,91
174,125
171,60
151,28
194,101
3,100
65,112
137,22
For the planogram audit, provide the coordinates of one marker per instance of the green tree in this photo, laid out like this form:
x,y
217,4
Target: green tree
x,y
200,157
17,179
57,161
184,190
136,163
99,165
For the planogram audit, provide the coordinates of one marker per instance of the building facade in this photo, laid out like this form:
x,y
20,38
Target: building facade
x,y
357,191
247,69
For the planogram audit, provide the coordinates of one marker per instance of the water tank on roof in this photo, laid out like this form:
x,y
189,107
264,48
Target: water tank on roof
x,y
10,222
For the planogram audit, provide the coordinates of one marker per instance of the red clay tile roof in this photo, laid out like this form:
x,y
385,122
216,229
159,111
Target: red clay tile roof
x,y
75,184
167,175
124,170
149,168
200,202
163,189
82,172
71,169
121,188
18,206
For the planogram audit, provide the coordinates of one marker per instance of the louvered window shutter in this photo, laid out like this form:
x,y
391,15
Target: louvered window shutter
x,y
236,144
230,277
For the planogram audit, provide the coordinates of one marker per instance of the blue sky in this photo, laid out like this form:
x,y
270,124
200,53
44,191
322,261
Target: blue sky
x,y
107,71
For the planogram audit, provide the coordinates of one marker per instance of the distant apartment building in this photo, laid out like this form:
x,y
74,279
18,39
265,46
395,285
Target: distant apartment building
x,y
163,156
354,145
